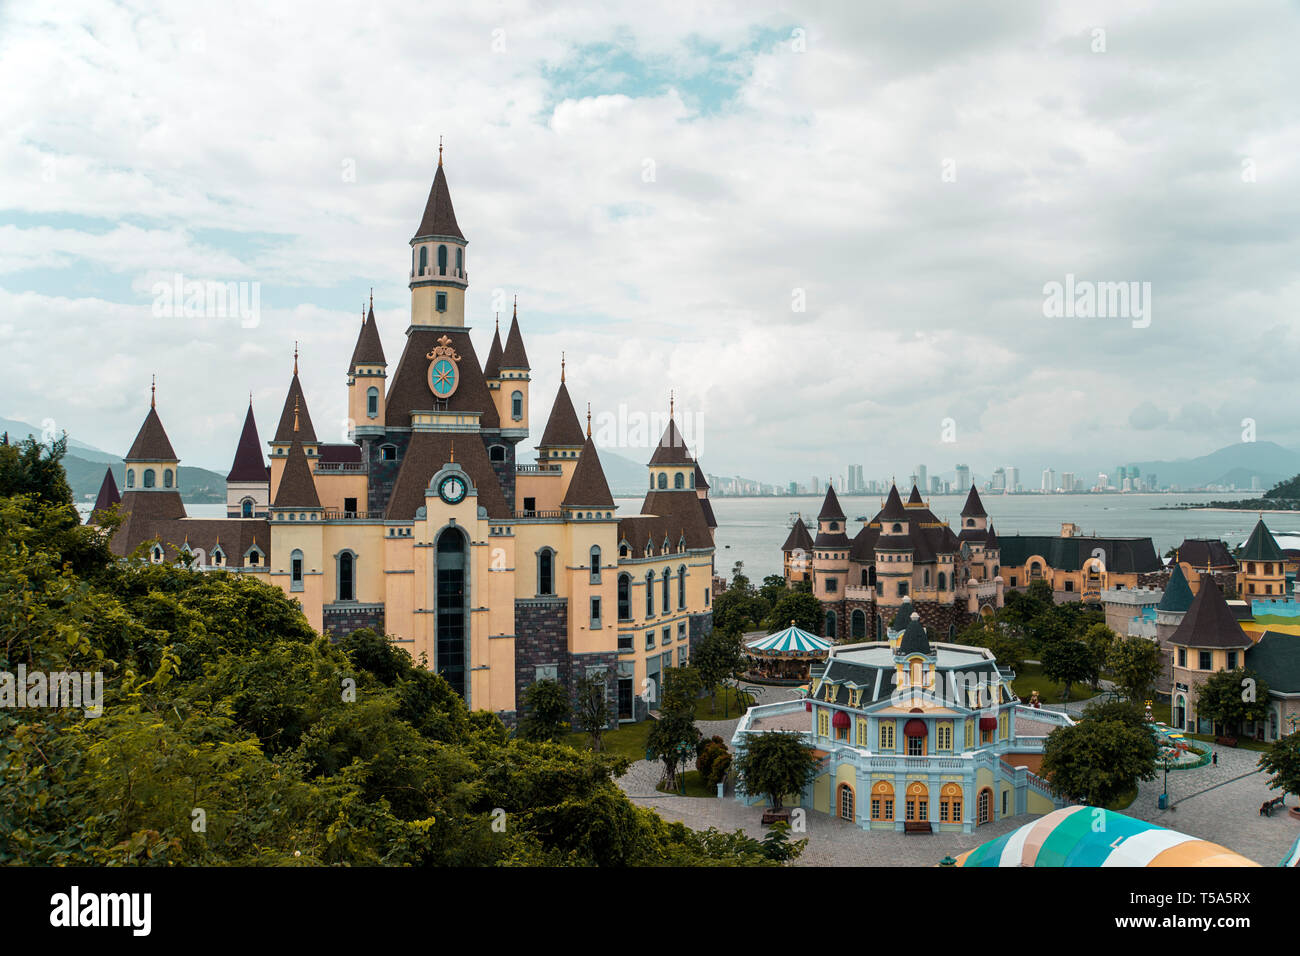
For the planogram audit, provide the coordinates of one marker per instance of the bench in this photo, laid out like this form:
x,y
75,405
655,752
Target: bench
x,y
1268,806
917,826
776,816
1226,741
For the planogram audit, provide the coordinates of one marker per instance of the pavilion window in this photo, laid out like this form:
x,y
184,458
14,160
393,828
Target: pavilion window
x,y
372,402
442,260
424,259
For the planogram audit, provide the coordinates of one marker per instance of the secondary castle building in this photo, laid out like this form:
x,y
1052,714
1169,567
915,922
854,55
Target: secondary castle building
x,y
915,735
425,526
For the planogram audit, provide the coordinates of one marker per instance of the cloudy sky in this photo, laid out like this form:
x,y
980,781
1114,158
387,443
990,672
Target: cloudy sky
x,y
827,227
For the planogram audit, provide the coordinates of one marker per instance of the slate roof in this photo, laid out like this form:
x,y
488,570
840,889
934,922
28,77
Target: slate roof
x,y
1260,546
700,483
974,508
492,367
1203,553
513,355
588,487
410,390
236,536
915,497
831,510
345,452
1209,622
297,488
914,639
369,349
1178,594
249,465
708,512
666,514
426,455
904,615
798,539
671,449
1276,659
439,217
108,495
151,442
562,426
141,512
1122,555
295,399
893,509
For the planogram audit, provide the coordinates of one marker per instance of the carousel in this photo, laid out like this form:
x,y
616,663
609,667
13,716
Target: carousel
x,y
785,657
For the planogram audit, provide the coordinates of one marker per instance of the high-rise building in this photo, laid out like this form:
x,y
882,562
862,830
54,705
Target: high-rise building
x,y
857,478
1067,481
814,485
1013,478
963,477
1049,480
999,481
922,481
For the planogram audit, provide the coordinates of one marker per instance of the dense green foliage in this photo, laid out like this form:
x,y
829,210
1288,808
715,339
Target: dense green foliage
x,y
776,764
547,712
1103,756
771,607
718,657
1230,698
1283,761
1134,664
234,734
675,738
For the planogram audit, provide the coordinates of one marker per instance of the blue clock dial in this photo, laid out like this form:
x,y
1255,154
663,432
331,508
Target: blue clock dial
x,y
443,377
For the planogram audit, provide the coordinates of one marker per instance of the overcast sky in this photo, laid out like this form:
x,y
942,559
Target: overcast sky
x,y
664,186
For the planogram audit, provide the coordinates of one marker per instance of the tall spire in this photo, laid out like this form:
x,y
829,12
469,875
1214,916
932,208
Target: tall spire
x,y
589,419
440,150
153,391
295,356
248,464
561,368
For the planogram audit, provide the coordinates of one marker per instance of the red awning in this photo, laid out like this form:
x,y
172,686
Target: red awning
x,y
988,723
840,721
914,728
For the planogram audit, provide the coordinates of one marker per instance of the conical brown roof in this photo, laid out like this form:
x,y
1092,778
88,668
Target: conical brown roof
x,y
671,449
799,539
915,497
107,497
248,464
297,489
295,400
1261,546
439,218
369,349
492,367
893,509
513,355
831,510
151,442
974,508
562,427
588,487
1209,622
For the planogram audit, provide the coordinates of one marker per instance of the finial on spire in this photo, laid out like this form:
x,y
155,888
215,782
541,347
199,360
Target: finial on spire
x,y
440,150
295,357
670,403
453,452
589,419
516,312
372,298
561,367
153,390
498,321
295,412
250,398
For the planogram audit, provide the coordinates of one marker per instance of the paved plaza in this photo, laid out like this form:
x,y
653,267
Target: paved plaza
x,y
1218,802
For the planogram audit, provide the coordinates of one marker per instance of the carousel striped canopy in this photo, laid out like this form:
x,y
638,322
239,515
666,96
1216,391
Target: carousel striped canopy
x,y
793,640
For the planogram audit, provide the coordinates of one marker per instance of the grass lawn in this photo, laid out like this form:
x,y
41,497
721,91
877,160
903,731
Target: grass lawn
x,y
1123,801
1242,742
1029,678
628,741
695,786
726,707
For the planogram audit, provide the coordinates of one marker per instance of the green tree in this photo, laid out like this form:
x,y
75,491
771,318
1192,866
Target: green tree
x,y
772,589
718,657
1100,758
1282,760
797,606
674,735
1069,663
547,712
1040,591
593,706
775,764
1229,698
1134,665
1099,639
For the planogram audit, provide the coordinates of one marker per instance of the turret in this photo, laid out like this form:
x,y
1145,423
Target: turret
x,y
562,439
367,373
438,271
671,466
248,486
295,425
973,515
512,377
106,499
151,464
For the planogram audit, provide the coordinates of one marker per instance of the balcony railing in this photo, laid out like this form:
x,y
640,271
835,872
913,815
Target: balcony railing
x,y
353,515
537,469
539,514
340,467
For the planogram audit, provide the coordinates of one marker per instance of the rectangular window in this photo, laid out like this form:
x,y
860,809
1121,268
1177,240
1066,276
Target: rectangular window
x,y
1005,793
875,808
681,657
625,642
886,735
595,613
1205,664
862,740
916,746
668,635
1182,657
442,302
902,589
831,585
945,736
1013,580
970,734
889,809
823,722
1004,725
1232,660
681,632
649,640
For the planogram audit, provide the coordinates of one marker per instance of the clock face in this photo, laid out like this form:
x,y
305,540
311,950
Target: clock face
x,y
443,377
452,489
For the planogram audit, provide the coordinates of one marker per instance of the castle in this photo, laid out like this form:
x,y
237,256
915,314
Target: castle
x,y
423,526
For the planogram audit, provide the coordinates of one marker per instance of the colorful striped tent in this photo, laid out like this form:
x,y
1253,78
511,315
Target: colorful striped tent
x,y
1091,836
793,640
1292,858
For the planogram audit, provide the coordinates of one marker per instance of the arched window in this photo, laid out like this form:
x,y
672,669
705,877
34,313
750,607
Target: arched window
x,y
925,575
918,802
167,477
950,803
681,588
898,529
984,807
545,571
295,571
830,624
424,259
442,260
517,406
845,803
679,481
595,565
346,576
149,478
130,477
157,554
649,592
372,402
882,802
452,620
666,603
497,453
218,558
624,597
663,481
246,508
943,581
858,624
693,480
460,261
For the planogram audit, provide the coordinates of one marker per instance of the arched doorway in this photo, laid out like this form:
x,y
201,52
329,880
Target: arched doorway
x,y
918,802
452,618
1180,712
984,807
858,620
950,803
846,803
